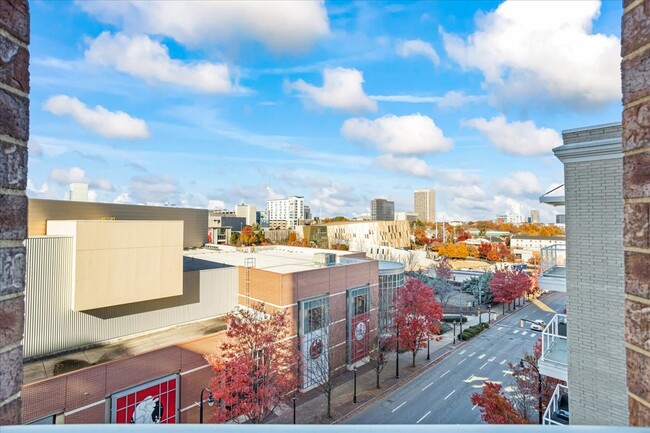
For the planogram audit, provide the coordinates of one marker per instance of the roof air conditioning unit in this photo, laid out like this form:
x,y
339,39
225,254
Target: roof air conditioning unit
x,y
325,259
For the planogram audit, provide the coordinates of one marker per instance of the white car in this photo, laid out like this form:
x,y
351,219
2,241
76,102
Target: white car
x,y
539,325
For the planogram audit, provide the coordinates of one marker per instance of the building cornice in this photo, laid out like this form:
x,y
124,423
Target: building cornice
x,y
610,148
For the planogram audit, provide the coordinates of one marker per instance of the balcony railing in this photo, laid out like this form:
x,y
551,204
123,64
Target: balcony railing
x,y
553,361
553,268
557,411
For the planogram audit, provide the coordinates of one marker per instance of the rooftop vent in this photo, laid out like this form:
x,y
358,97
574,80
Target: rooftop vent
x,y
325,259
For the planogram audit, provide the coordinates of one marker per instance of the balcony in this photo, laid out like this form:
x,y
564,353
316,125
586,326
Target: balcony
x,y
553,361
557,411
553,268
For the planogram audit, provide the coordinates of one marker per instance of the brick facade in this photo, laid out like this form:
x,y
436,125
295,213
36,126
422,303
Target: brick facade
x,y
635,69
14,133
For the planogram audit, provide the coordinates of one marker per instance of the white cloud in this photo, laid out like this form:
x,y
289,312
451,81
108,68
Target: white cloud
x,y
519,183
102,184
115,124
457,176
455,99
517,138
64,176
336,199
32,188
417,47
410,134
342,90
122,198
411,165
282,26
92,195
142,57
216,204
542,49
155,189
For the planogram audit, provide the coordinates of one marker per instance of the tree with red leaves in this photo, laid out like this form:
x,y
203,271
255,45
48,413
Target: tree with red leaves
x,y
256,370
495,406
507,285
417,314
484,249
464,236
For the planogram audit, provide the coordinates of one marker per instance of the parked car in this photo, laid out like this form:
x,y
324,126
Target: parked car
x,y
538,325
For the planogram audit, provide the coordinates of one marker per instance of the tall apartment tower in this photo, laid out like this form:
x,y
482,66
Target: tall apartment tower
x,y
382,210
247,211
534,216
425,204
290,210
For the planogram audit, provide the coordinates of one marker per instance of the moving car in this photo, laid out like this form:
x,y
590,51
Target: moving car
x,y
538,325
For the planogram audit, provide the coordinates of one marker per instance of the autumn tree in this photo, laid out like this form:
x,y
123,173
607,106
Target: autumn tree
x,y
248,236
417,315
256,370
484,249
507,285
493,255
442,286
495,406
379,355
464,235
234,238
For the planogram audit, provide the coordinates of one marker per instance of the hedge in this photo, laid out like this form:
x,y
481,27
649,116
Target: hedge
x,y
445,327
472,331
452,319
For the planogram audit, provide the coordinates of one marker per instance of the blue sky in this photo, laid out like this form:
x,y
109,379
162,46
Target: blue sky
x,y
216,103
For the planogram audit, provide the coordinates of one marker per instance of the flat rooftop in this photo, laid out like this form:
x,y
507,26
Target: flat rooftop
x,y
279,259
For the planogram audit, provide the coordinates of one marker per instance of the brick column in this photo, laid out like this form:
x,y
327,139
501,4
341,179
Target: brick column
x,y
635,69
14,133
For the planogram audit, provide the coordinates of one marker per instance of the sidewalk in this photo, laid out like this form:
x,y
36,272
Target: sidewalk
x,y
311,407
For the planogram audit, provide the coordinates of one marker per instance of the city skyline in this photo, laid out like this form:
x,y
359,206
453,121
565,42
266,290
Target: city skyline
x,y
198,117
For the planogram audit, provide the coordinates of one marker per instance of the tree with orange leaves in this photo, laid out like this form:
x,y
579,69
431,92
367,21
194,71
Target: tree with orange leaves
x,y
495,406
256,371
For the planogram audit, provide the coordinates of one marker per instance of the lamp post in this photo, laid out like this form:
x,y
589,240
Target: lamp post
x,y
539,385
460,306
489,313
397,353
428,349
354,399
480,319
210,403
294,408
454,332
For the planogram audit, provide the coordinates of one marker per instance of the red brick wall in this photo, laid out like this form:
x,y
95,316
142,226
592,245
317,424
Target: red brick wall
x,y
69,392
635,69
14,133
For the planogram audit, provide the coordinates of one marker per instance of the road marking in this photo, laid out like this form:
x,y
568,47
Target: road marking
x,y
524,333
462,361
507,373
450,394
399,406
469,378
425,415
532,334
443,375
462,352
515,331
474,407
483,366
482,356
472,354
427,386
502,362
492,359
500,328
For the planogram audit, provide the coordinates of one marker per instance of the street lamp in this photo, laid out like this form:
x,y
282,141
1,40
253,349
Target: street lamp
x,y
539,385
294,408
354,399
454,332
428,349
460,305
210,403
489,313
397,353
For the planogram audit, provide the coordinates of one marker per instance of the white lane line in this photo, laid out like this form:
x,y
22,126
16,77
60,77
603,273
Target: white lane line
x,y
483,366
482,356
462,361
469,378
472,354
462,352
427,386
500,328
450,394
474,407
425,415
524,333
532,334
502,362
492,359
443,375
399,406
516,331
507,373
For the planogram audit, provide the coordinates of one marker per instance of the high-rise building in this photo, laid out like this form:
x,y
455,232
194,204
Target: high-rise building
x,y
510,218
382,209
534,216
406,216
290,210
247,211
308,216
559,219
78,192
424,204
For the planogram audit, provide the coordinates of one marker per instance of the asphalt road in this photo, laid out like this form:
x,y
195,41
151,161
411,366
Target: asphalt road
x,y
441,395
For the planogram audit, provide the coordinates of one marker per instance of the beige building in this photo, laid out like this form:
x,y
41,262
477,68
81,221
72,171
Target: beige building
x,y
424,204
247,211
360,235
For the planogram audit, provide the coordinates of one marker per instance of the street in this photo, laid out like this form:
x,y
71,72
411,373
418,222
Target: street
x,y
441,395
